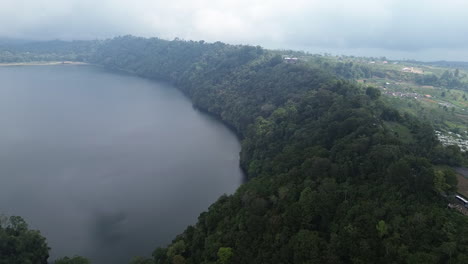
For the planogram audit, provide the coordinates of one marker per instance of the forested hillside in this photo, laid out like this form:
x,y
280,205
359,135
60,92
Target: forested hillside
x,y
335,175
27,51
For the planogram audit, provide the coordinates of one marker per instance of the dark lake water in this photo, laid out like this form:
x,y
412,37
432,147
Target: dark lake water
x,y
107,165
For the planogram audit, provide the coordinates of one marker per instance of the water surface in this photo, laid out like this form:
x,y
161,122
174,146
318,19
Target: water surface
x,y
107,165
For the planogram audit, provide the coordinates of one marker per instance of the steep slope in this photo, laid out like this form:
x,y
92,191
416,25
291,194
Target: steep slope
x,y
331,179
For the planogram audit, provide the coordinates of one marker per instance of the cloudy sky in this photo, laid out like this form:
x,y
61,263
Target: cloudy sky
x,y
412,29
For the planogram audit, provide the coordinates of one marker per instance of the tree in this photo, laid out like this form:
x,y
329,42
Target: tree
x,y
373,93
160,255
141,260
382,228
19,244
176,249
178,259
73,260
224,255
306,247
18,224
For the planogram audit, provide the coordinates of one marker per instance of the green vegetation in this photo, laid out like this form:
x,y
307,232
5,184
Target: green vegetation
x,y
46,51
336,175
433,92
19,244
73,260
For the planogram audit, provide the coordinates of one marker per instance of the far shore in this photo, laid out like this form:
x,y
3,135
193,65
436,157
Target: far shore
x,y
43,63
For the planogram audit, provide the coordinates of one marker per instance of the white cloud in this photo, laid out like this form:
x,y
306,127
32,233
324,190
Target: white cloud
x,y
393,25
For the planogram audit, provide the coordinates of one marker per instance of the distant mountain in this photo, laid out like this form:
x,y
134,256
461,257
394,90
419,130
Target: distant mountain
x,y
11,41
13,50
450,64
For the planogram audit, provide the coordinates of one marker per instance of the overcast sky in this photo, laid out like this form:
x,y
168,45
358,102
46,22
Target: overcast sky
x,y
412,29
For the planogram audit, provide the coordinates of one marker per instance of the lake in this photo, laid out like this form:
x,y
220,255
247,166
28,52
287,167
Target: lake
x,y
107,165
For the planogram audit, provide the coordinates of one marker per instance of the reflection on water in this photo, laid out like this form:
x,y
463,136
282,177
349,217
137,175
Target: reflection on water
x,y
107,165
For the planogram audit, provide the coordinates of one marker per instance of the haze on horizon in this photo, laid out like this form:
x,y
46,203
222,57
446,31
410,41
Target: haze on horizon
x,y
419,29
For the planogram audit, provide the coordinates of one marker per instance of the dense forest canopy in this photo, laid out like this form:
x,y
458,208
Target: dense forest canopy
x,y
335,175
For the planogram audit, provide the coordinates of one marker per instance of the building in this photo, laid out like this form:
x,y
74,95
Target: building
x,y
462,200
291,59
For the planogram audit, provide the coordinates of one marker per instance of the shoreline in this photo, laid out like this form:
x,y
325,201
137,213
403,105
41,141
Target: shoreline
x,y
42,63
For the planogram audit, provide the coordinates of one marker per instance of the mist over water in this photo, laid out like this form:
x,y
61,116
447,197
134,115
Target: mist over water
x,y
107,165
